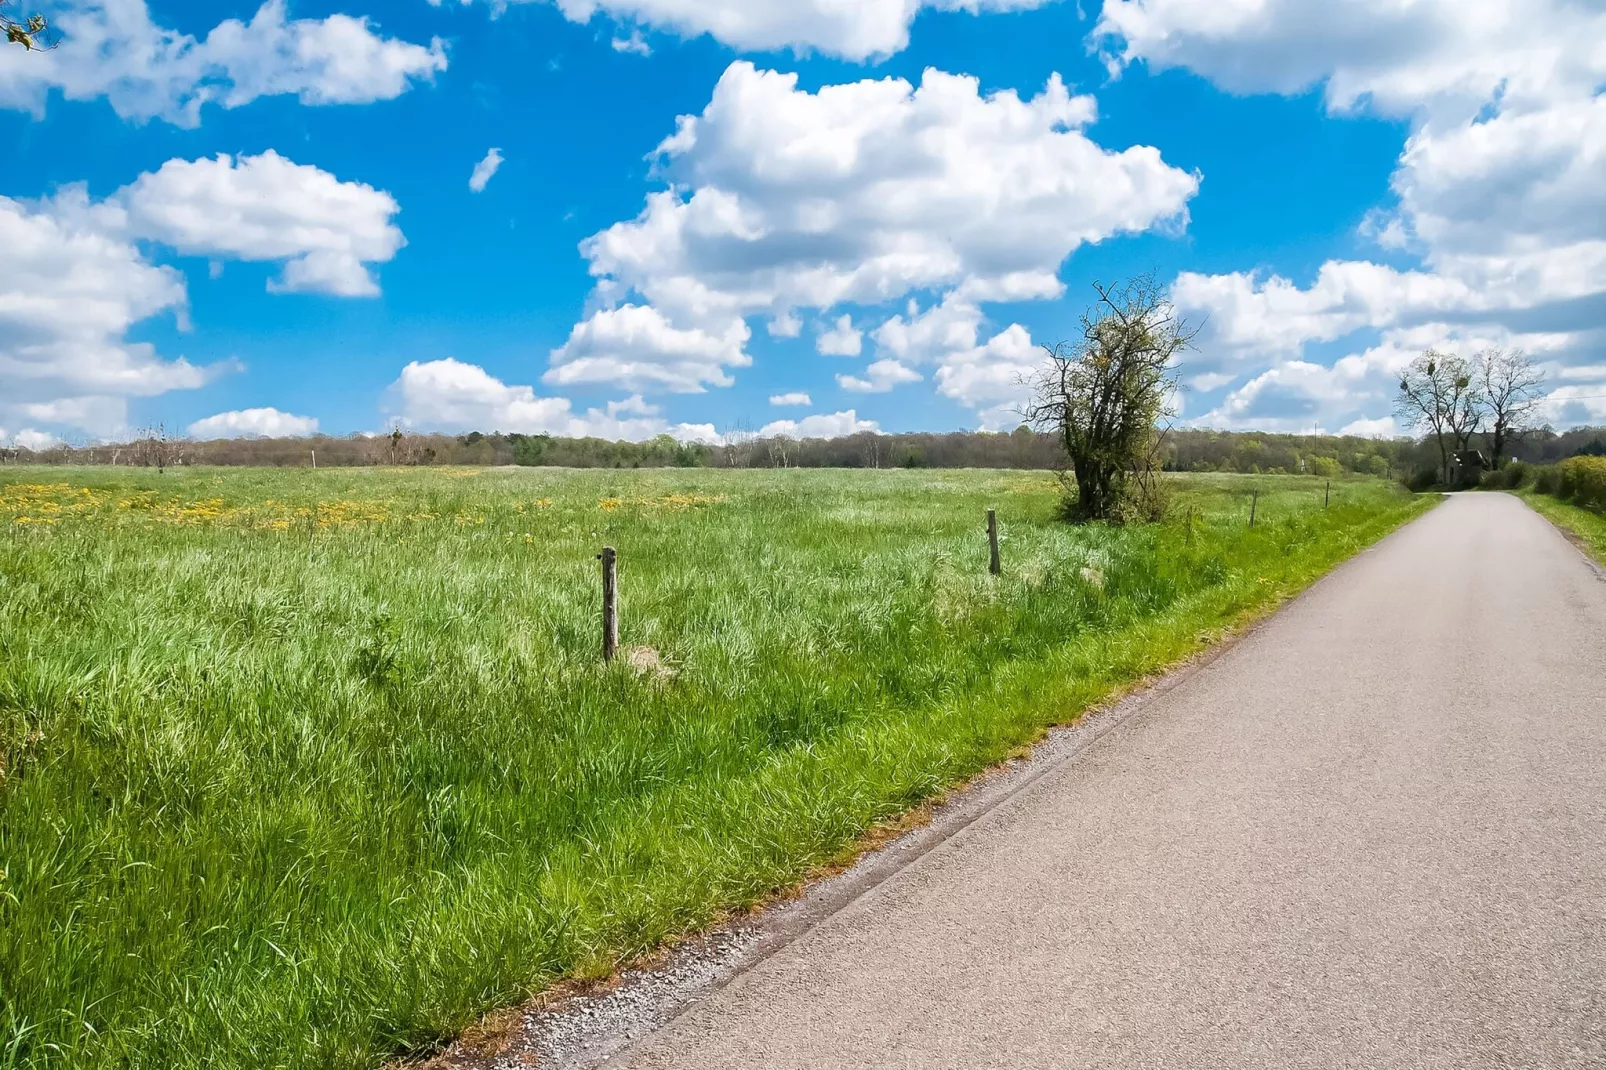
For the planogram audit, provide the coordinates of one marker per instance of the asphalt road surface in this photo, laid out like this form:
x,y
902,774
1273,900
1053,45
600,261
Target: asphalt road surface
x,y
1372,835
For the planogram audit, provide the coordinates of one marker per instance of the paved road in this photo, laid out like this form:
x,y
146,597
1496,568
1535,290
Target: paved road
x,y
1372,835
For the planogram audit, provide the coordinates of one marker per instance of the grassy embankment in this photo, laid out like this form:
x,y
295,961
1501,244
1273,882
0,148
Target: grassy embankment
x,y
1571,495
1587,525
304,769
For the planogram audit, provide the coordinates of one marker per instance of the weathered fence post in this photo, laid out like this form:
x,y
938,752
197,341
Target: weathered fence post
x,y
1329,499
997,565
1254,505
610,602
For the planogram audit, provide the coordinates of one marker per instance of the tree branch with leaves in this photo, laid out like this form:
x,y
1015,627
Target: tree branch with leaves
x,y
32,33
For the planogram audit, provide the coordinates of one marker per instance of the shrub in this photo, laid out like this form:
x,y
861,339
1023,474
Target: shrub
x,y
1423,479
1514,476
1547,480
1327,467
1583,481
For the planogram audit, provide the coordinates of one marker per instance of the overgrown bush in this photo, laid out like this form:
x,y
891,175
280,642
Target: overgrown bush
x,y
1514,476
1582,480
1421,480
1547,480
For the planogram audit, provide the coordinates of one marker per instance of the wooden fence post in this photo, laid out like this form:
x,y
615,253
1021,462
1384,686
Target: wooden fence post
x,y
610,602
1329,499
1254,505
997,565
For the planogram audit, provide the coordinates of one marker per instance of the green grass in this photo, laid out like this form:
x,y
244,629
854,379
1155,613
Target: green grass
x,y
1588,525
308,769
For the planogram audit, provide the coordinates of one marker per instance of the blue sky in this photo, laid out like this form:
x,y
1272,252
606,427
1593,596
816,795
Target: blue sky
x,y
238,218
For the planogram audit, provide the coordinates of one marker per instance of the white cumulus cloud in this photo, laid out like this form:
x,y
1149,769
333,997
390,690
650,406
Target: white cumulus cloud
x,y
781,200
636,348
71,288
842,339
78,274
268,208
450,395
1497,191
852,29
880,377
485,170
114,49
819,425
784,199
30,438
254,423
797,397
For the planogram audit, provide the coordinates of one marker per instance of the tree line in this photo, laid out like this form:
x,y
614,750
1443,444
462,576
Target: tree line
x,y
1183,450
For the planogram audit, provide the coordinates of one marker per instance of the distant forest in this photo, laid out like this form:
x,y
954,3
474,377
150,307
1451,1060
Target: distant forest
x,y
1185,451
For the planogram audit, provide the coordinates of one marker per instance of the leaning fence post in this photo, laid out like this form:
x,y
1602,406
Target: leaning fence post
x,y
610,602
997,565
1254,504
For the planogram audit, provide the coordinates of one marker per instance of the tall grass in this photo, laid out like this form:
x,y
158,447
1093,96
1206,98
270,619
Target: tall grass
x,y
304,769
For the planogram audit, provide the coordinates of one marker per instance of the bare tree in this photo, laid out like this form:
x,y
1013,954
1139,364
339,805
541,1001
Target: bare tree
x,y
1464,416
1440,394
1512,387
872,449
1106,395
779,449
740,442
32,33
154,449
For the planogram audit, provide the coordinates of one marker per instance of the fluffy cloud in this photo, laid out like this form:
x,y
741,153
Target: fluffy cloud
x,y
76,278
995,377
450,395
267,208
857,29
795,398
636,348
1497,191
485,170
29,438
820,425
1355,393
880,377
842,339
113,48
1395,55
781,200
254,423
70,290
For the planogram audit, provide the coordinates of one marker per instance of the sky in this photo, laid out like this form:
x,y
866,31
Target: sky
x,y
627,218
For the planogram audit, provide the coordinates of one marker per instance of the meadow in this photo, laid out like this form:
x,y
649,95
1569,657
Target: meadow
x,y
309,769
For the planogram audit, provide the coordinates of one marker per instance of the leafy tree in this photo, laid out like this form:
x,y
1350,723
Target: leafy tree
x,y
1105,396
1512,387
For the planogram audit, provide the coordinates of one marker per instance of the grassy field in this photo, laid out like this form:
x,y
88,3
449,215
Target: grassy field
x,y
307,769
1588,525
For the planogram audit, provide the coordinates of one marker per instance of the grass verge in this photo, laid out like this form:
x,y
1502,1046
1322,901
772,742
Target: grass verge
x,y
307,769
